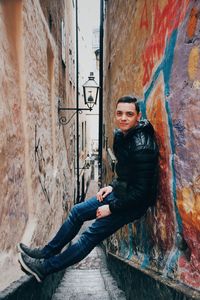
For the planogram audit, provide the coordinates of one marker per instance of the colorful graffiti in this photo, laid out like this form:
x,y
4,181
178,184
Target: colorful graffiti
x,y
160,81
166,20
159,76
168,238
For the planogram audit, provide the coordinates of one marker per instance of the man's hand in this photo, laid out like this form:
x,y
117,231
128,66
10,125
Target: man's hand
x,y
103,211
103,192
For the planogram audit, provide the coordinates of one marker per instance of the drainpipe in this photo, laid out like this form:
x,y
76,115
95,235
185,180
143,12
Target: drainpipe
x,y
101,33
77,106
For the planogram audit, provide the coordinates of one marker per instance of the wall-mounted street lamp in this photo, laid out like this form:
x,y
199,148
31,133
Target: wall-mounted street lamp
x,y
90,93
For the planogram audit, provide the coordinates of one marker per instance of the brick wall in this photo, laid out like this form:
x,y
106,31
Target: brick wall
x,y
36,174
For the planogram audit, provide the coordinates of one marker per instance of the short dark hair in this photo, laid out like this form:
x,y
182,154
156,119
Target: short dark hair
x,y
129,99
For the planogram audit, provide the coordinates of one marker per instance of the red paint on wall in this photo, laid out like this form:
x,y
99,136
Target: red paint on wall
x,y
192,23
156,113
165,22
144,19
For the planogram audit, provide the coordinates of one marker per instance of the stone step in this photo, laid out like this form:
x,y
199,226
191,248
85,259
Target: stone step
x,y
86,284
89,279
82,296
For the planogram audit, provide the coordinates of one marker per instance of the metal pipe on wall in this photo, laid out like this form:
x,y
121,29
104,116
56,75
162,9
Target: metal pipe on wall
x,y
77,106
101,34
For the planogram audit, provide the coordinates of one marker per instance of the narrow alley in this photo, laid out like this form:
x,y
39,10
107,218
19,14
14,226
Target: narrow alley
x,y
89,280
100,97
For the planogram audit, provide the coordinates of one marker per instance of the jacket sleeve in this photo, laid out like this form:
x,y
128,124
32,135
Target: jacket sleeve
x,y
113,183
139,192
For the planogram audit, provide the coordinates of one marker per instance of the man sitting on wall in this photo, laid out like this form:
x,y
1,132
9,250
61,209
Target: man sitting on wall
x,y
126,199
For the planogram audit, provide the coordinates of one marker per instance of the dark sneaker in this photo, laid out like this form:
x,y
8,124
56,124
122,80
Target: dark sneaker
x,y
32,266
34,253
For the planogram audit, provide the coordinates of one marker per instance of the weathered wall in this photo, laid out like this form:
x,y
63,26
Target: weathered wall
x,y
153,52
35,176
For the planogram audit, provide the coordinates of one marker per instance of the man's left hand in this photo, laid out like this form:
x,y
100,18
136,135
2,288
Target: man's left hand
x,y
103,211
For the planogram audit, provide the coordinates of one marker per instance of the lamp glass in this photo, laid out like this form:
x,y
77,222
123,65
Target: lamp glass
x,y
90,91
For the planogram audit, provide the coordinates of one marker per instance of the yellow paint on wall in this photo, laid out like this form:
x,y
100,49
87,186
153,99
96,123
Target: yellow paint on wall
x,y
163,231
196,85
188,200
157,115
134,228
193,63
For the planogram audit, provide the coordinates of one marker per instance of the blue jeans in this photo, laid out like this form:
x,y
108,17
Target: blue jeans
x,y
97,232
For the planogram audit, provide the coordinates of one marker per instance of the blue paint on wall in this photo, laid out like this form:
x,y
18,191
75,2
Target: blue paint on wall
x,y
131,240
124,248
170,264
165,67
168,61
145,262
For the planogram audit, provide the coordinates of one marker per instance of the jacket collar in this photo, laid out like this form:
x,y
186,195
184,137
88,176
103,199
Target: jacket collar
x,y
142,124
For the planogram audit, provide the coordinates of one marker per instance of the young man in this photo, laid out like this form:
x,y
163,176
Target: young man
x,y
126,199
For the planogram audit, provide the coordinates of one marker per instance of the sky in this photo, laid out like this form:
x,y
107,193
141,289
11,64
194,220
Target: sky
x,y
88,20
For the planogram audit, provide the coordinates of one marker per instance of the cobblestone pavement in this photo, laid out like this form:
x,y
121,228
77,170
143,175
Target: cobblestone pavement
x,y
90,278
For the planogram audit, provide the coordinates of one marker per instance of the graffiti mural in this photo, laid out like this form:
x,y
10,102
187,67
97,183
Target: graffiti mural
x,y
166,21
161,103
167,239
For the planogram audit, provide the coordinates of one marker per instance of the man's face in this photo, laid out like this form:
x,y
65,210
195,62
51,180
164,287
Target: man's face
x,y
126,116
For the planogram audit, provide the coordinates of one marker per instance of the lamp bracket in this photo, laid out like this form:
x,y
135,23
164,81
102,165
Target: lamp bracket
x,y
62,119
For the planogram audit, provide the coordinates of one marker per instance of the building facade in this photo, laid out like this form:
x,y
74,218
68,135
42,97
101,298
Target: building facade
x,y
37,64
152,52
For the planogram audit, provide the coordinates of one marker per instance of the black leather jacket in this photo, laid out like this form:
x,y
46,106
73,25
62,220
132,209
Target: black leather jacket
x,y
137,176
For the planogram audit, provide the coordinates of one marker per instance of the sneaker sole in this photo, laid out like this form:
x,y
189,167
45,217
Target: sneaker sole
x,y
28,270
19,249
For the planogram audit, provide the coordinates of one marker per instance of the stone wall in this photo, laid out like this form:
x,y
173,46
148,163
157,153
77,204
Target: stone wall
x,y
36,178
152,51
